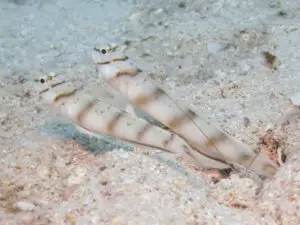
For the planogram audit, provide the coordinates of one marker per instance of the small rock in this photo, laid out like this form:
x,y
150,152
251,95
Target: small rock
x,y
60,168
245,68
77,176
3,117
20,2
295,99
27,219
213,47
43,171
246,121
255,130
124,155
20,79
181,4
158,11
136,17
24,206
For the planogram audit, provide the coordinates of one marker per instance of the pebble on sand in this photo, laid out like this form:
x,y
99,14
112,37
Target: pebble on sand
x,y
24,206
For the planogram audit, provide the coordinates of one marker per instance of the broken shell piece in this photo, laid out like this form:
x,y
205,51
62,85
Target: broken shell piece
x,y
214,47
24,206
295,99
77,177
43,171
52,74
136,17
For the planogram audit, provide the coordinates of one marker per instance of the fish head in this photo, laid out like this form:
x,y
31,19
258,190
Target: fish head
x,y
50,88
108,53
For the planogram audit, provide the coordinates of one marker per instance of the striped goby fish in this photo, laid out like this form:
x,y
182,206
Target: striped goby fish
x,y
95,117
121,74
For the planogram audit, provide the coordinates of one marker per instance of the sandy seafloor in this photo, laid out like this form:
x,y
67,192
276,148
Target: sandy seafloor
x,y
207,54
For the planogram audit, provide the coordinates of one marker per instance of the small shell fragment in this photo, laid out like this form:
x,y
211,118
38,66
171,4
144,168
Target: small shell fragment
x,y
77,176
295,99
24,206
213,47
43,171
52,74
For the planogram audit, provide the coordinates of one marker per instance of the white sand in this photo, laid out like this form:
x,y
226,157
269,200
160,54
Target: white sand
x,y
207,54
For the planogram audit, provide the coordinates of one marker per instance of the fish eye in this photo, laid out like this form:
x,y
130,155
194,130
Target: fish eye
x,y
42,80
103,51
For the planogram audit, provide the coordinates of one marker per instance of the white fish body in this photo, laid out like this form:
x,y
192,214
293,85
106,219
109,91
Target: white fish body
x,y
95,117
121,74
